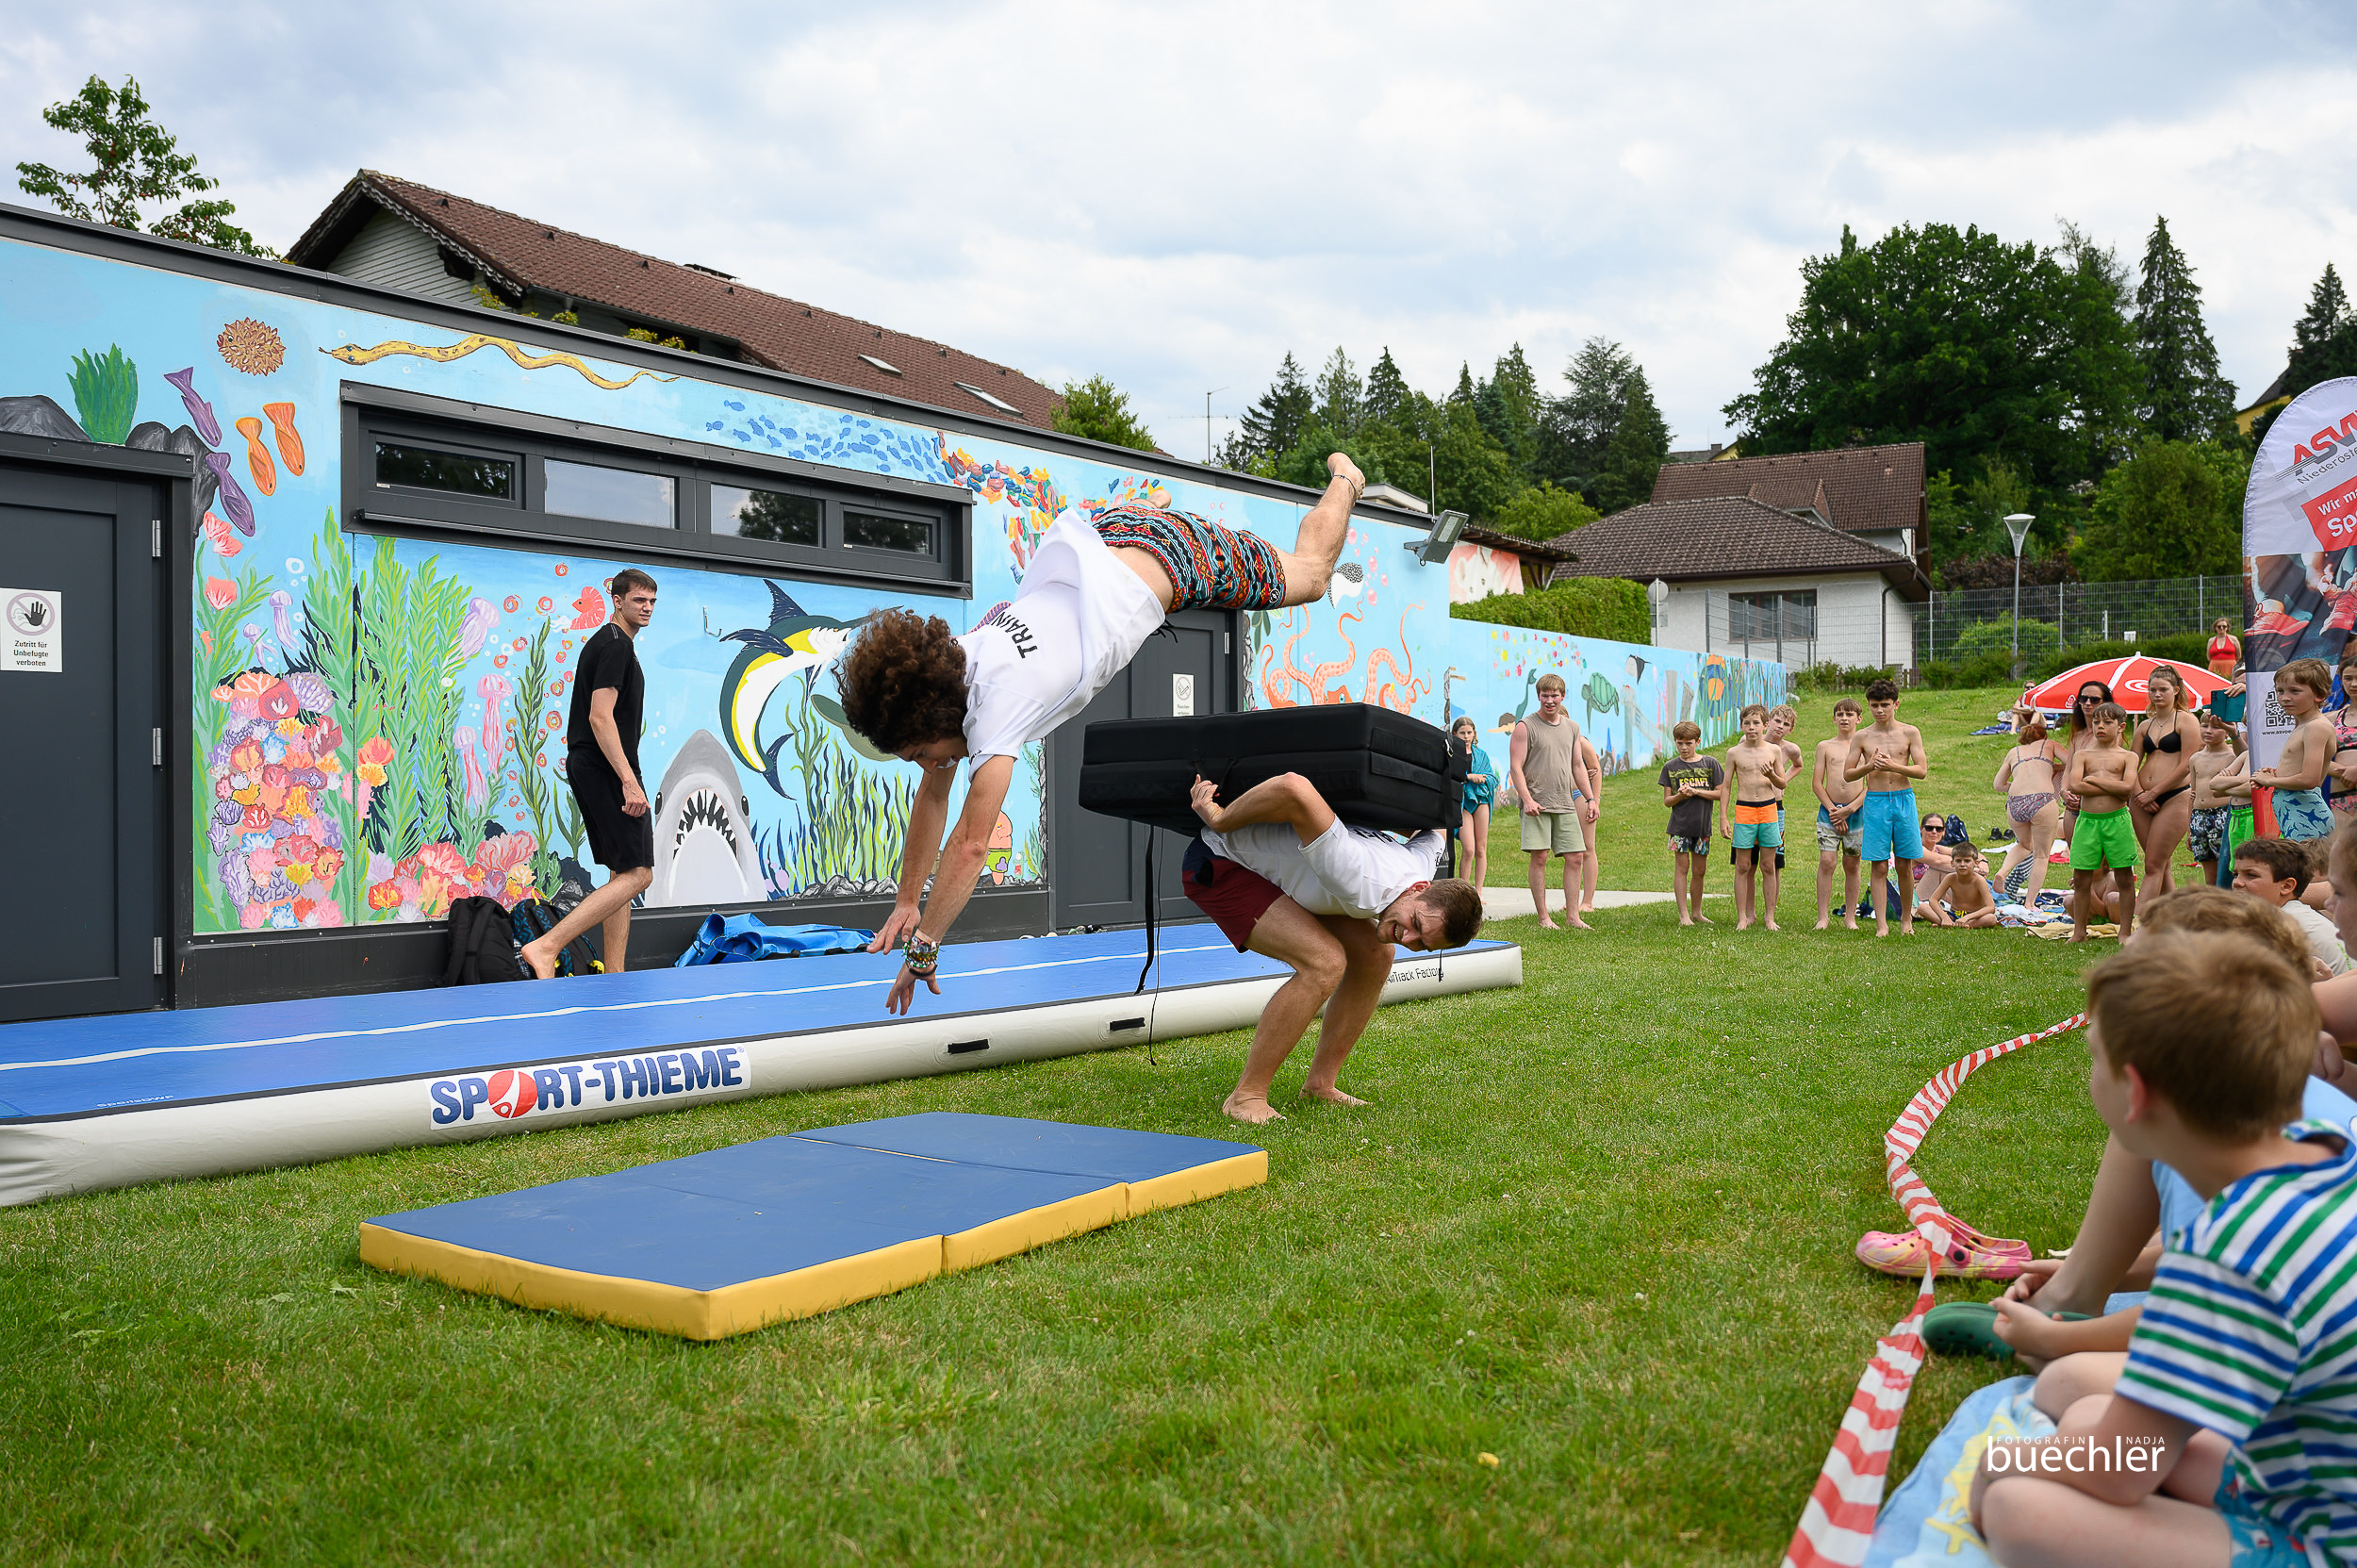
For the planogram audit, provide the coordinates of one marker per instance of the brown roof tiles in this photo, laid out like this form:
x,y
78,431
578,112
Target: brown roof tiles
x,y
517,254
1859,490
1722,537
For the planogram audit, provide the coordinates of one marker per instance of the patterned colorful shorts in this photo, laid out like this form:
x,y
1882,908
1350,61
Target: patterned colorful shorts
x,y
1680,845
2206,836
1211,567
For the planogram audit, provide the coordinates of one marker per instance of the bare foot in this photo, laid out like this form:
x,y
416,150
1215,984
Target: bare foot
x,y
2076,936
1683,921
1823,924
1332,1094
1906,928
1702,919
1880,928
1578,924
1251,1108
1743,923
1771,925
543,965
1587,908
1851,921
1545,924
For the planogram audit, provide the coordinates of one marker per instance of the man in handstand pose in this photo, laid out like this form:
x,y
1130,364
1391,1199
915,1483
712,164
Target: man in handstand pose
x,y
1096,588
1283,877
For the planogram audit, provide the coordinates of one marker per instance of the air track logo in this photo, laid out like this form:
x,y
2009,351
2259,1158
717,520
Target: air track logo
x,y
512,1094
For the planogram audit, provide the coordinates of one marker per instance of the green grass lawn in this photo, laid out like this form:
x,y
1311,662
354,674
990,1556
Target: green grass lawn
x,y
1600,1227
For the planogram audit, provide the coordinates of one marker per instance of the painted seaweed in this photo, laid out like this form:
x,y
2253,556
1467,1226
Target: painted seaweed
x,y
105,394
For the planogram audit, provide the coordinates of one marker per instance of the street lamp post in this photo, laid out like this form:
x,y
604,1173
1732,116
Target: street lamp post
x,y
2019,526
1657,592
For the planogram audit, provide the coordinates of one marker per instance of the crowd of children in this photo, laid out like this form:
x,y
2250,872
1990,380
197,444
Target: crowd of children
x,y
2123,791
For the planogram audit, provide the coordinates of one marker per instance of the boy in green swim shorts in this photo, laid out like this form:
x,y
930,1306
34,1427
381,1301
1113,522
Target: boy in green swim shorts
x,y
2105,835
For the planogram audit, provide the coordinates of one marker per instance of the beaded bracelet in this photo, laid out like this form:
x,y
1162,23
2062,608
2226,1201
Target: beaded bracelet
x,y
923,955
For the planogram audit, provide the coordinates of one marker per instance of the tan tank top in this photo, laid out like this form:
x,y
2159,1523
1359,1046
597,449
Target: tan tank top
x,y
1550,761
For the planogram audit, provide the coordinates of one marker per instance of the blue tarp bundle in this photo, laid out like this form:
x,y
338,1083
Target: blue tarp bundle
x,y
742,938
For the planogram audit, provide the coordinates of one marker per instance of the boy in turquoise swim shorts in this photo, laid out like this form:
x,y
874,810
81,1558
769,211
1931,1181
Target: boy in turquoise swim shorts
x,y
2297,776
2103,772
1889,756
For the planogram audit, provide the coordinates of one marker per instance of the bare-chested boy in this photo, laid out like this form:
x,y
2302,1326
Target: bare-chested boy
x,y
2213,808
1839,833
1782,721
2297,776
1966,888
1756,769
1889,757
2103,775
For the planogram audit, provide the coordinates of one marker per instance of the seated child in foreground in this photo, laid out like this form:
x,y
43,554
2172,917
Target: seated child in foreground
x,y
2132,1196
2276,872
2221,1429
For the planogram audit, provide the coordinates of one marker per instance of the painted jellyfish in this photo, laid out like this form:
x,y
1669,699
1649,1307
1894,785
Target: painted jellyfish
x,y
481,614
279,604
494,691
462,736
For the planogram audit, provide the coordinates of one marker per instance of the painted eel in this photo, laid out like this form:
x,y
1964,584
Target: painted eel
x,y
233,500
281,416
199,410
257,456
352,354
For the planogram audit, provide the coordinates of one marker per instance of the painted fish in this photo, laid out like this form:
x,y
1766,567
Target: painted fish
x,y
793,641
199,410
241,510
591,610
281,416
258,461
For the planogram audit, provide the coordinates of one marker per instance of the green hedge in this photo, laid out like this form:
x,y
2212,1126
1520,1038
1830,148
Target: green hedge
x,y
2191,648
1612,608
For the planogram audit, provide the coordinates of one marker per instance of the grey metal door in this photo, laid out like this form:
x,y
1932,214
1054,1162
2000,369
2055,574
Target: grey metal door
x,y
1096,865
81,781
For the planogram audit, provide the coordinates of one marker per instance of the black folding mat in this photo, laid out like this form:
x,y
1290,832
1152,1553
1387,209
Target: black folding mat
x,y
1377,767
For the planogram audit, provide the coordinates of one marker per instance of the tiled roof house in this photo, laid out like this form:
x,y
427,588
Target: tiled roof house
x,y
1876,493
402,235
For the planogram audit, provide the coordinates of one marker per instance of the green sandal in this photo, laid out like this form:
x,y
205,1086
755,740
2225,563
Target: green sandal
x,y
1970,1329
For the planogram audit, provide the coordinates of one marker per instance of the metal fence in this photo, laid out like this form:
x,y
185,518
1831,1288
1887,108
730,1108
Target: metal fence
x,y
2064,615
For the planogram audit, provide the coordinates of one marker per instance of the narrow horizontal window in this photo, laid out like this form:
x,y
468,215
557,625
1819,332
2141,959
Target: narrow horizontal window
x,y
873,530
424,469
615,495
751,514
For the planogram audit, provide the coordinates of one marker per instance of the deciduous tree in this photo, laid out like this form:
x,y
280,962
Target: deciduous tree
x,y
137,165
1097,409
2173,510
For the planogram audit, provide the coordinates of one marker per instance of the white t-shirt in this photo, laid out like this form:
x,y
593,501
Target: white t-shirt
x,y
1344,870
1035,661
2323,937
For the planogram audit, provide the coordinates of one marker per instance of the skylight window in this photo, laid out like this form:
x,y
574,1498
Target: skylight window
x,y
994,403
887,368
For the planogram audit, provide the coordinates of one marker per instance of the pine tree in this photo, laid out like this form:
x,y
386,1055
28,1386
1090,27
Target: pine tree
x,y
1640,443
2186,399
1466,391
1508,405
2327,312
1272,424
1577,429
1387,391
1340,395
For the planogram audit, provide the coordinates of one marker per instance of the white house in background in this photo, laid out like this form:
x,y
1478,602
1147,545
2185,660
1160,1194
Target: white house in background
x,y
1751,579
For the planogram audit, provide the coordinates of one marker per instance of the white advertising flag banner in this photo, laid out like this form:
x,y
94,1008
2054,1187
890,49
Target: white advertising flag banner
x,y
2299,550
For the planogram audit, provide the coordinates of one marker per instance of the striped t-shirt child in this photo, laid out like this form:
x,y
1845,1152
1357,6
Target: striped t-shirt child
x,y
2251,1331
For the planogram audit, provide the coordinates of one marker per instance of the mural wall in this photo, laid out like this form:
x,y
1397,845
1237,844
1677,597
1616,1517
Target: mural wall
x,y
1626,697
377,722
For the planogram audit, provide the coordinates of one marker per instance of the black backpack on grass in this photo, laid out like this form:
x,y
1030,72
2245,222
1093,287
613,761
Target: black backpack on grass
x,y
486,941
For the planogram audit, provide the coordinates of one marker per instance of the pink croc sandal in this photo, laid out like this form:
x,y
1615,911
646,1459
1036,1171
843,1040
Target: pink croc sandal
x,y
1972,1256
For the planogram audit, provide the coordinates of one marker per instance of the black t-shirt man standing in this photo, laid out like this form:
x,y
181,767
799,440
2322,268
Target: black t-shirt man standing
x,y
602,766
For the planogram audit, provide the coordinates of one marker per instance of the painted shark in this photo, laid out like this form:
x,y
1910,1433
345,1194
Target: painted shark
x,y
703,844
794,641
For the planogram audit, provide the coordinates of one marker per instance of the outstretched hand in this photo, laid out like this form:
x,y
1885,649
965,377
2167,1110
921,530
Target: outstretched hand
x,y
901,922
903,993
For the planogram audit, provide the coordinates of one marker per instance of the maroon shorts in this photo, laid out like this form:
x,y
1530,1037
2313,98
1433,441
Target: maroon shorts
x,y
1234,896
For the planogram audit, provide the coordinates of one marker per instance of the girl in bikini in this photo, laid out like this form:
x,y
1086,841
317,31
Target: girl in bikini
x,y
2161,806
2029,777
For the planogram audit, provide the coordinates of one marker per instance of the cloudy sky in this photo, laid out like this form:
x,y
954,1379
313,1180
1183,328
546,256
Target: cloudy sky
x,y
1175,195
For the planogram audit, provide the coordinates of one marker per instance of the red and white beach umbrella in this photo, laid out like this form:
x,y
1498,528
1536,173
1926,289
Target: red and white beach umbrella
x,y
2127,678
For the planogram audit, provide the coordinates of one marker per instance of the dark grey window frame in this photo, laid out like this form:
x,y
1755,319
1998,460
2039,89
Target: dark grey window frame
x,y
368,412
1773,615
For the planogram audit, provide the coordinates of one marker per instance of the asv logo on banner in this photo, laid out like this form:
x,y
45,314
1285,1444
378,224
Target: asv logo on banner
x,y
2300,551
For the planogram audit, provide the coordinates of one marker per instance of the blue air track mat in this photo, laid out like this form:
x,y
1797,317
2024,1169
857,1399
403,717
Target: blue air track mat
x,y
87,1103
727,1240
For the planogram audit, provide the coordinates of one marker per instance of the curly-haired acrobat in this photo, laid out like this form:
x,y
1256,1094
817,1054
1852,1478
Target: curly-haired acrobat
x,y
1096,589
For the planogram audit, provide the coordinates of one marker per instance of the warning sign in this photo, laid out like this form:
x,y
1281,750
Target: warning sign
x,y
31,638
